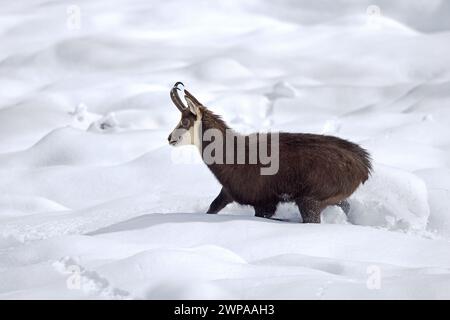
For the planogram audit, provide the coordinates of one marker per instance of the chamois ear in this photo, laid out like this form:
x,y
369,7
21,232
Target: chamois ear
x,y
193,106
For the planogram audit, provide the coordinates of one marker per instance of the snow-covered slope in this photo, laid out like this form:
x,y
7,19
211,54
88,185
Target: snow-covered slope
x,y
95,204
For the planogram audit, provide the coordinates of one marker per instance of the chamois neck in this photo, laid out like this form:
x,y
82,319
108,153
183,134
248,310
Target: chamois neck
x,y
211,120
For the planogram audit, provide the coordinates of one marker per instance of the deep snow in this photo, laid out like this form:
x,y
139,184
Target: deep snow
x,y
95,204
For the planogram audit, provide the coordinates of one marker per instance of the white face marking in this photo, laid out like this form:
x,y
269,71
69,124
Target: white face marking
x,y
188,137
197,131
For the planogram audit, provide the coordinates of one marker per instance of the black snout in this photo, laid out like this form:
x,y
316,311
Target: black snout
x,y
170,137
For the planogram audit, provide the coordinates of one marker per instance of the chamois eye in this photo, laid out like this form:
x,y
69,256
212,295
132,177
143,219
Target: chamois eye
x,y
185,123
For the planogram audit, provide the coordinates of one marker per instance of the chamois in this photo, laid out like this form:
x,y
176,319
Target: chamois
x,y
314,171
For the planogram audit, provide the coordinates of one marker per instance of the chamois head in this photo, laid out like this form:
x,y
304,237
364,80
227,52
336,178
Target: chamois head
x,y
188,129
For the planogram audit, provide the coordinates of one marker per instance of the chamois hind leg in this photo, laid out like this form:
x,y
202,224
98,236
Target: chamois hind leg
x,y
265,211
344,205
220,202
310,210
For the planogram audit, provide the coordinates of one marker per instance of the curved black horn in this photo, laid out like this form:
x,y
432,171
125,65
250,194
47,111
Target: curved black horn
x,y
176,98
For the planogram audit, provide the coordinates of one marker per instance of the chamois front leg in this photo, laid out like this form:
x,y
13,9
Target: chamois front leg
x,y
220,202
265,211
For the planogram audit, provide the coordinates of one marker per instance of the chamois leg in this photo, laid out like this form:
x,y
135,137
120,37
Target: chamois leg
x,y
310,210
265,211
344,205
220,202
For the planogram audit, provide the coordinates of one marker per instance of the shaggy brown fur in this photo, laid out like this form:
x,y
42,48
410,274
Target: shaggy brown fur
x,y
314,171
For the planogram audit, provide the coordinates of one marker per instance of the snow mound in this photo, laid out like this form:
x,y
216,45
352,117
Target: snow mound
x,y
438,184
12,206
69,146
222,70
391,198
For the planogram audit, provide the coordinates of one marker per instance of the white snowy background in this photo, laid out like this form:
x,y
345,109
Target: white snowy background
x,y
95,204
